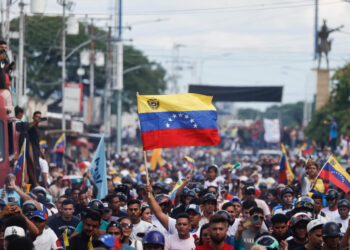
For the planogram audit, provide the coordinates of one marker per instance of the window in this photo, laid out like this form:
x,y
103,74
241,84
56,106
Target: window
x,y
2,141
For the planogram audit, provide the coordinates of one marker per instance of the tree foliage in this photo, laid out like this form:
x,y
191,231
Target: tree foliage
x,y
290,114
43,58
338,106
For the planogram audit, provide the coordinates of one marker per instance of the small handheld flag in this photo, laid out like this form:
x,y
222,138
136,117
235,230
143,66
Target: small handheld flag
x,y
20,166
336,174
65,238
285,174
190,161
60,144
176,187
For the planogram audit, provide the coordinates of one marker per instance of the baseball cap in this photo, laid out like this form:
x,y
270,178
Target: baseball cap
x,y
313,224
14,230
109,241
193,207
236,199
249,190
40,214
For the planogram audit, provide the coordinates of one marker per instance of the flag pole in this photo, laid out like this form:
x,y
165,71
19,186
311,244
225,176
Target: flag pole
x,y
146,168
319,173
24,162
144,156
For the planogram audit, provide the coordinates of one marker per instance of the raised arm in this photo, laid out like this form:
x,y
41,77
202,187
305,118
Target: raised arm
x,y
181,188
156,210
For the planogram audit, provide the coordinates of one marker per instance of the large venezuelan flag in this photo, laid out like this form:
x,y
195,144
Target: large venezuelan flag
x,y
177,120
336,174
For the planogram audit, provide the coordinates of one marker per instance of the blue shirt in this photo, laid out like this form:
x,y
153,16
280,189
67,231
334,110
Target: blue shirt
x,y
11,194
333,134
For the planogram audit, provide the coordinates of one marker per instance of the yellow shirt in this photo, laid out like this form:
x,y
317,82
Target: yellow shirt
x,y
319,185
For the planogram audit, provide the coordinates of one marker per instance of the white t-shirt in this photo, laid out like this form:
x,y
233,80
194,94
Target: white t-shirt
x,y
46,240
44,168
233,228
159,226
173,242
215,183
344,223
330,214
141,227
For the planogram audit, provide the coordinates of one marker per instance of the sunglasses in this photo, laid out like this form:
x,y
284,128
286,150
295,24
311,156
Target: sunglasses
x,y
126,225
114,233
212,192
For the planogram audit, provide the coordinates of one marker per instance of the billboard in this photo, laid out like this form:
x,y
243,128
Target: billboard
x,y
73,97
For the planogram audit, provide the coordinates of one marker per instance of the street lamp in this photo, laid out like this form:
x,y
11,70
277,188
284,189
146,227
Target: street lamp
x,y
65,5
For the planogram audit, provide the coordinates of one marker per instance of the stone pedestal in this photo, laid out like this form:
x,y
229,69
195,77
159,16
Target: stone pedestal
x,y
322,91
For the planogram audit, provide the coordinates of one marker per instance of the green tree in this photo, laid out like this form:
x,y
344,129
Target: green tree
x,y
338,106
248,113
43,58
290,114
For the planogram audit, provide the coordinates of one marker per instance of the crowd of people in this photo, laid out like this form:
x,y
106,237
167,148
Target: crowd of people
x,y
214,207
209,205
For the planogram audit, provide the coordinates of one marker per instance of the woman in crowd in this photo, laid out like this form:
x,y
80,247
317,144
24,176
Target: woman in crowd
x,y
146,213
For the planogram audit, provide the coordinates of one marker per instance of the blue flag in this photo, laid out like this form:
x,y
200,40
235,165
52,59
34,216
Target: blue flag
x,y
98,170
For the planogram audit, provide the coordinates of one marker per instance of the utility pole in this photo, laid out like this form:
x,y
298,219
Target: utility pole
x,y
7,23
92,70
2,20
316,31
118,70
63,62
20,84
107,97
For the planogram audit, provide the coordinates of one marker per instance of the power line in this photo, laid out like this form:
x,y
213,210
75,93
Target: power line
x,y
224,9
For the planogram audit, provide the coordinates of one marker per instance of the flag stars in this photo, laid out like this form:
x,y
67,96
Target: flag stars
x,y
180,115
195,125
174,116
167,125
191,121
186,117
170,120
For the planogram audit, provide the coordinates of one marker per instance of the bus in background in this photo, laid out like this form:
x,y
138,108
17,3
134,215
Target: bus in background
x,y
8,139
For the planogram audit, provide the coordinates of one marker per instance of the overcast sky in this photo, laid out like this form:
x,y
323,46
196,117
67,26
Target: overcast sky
x,y
231,42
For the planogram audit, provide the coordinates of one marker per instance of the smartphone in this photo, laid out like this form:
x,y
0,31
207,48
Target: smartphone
x,y
43,119
11,201
251,221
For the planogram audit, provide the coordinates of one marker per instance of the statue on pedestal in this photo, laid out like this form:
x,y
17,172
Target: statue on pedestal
x,y
324,45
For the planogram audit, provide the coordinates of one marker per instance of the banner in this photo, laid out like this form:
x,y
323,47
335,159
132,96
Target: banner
x,y
98,170
272,131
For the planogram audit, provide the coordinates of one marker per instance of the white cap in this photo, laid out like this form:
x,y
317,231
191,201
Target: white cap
x,y
14,230
312,224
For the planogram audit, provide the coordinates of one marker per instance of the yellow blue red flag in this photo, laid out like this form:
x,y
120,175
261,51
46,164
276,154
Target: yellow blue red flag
x,y
190,161
60,144
177,120
285,174
174,191
336,174
19,168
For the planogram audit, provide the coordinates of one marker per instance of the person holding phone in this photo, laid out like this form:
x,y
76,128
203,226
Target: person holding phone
x,y
249,228
140,227
8,191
